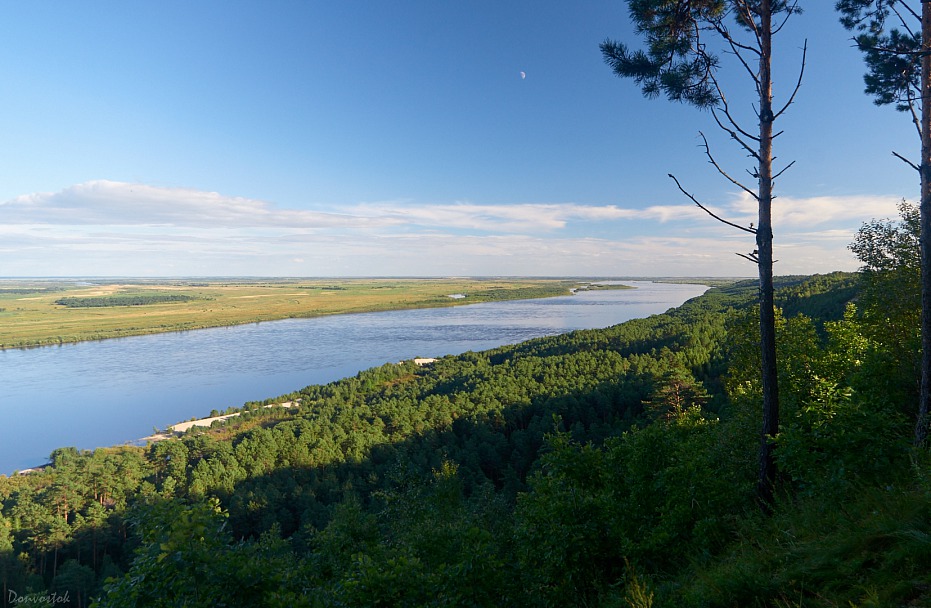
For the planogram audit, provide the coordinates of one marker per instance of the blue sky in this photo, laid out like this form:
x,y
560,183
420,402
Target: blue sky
x,y
312,138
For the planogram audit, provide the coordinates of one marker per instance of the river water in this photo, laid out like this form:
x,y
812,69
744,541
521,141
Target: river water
x,y
94,394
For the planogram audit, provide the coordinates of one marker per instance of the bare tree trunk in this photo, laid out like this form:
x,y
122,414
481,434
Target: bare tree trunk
x,y
764,241
921,426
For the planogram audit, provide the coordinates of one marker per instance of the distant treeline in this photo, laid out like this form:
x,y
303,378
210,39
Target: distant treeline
x,y
25,290
123,300
602,286
520,293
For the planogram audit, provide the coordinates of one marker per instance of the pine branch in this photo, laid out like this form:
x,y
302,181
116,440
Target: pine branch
x,y
885,49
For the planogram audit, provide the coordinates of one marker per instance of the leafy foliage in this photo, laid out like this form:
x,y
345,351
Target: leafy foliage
x,y
889,252
891,300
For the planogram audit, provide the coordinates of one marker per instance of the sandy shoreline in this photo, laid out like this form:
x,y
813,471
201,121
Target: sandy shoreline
x,y
172,432
178,429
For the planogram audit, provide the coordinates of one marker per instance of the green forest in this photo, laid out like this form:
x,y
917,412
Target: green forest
x,y
619,467
611,467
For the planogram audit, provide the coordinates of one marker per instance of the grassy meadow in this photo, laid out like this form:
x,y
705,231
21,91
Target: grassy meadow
x,y
40,312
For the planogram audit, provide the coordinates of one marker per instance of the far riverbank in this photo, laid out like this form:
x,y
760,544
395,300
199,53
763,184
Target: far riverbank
x,y
55,312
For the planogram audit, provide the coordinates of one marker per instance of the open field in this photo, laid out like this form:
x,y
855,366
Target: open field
x,y
38,312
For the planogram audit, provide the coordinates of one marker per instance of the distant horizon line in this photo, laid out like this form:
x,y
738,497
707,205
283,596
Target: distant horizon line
x,y
352,277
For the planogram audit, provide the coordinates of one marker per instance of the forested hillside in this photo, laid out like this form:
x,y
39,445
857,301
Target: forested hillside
x,y
610,467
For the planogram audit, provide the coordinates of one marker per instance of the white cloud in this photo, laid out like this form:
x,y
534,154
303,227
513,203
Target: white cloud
x,y
527,217
105,202
115,228
791,212
117,203
668,213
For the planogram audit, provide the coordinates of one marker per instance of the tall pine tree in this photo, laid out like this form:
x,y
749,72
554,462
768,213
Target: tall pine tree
x,y
681,63
895,38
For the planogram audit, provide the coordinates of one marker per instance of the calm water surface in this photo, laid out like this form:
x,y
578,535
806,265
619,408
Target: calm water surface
x,y
94,394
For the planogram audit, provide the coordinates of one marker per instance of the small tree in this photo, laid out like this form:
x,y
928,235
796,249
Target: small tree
x,y
890,302
680,63
890,274
895,38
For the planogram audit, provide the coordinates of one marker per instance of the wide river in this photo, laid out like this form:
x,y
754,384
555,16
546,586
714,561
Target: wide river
x,y
109,392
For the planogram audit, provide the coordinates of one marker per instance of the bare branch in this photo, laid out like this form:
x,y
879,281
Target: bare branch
x,y
708,211
784,169
916,120
738,48
725,33
789,12
735,49
726,109
734,134
912,11
722,171
798,84
906,161
749,257
895,9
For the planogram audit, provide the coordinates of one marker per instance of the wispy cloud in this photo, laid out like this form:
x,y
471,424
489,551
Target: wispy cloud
x,y
105,202
793,212
520,218
117,203
106,227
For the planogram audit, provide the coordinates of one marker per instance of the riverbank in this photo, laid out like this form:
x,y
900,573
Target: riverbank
x,y
50,312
